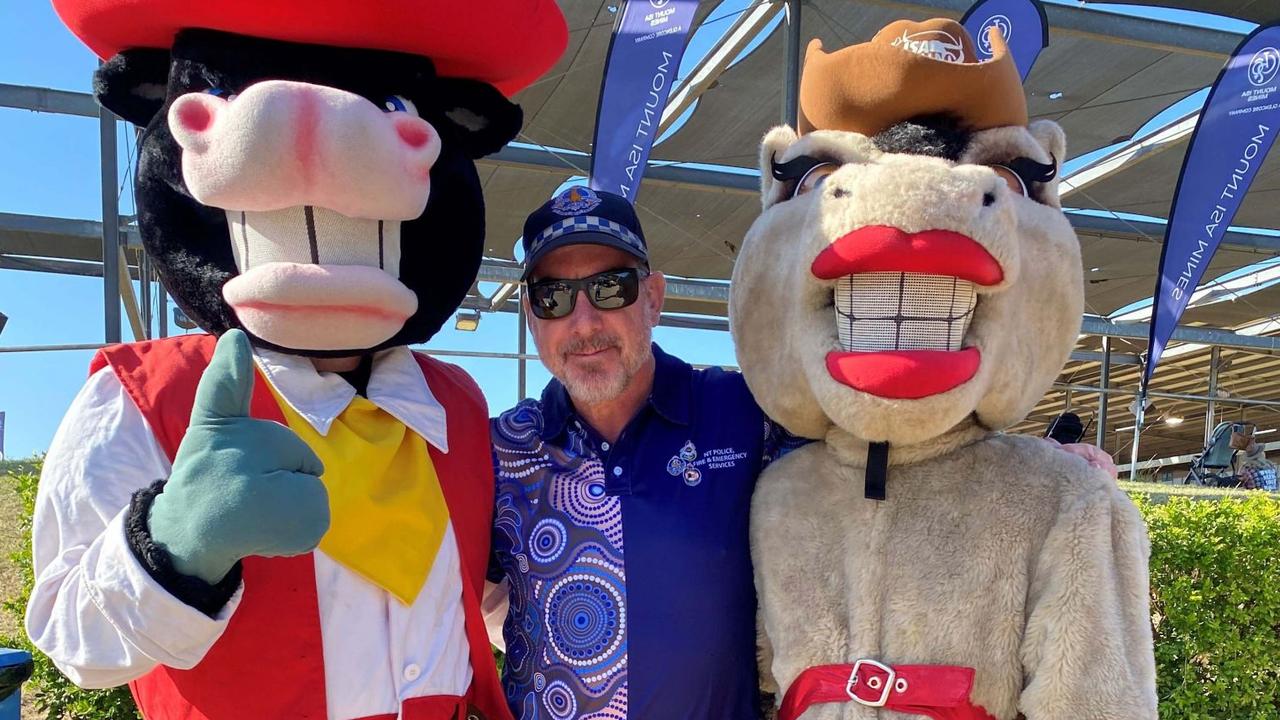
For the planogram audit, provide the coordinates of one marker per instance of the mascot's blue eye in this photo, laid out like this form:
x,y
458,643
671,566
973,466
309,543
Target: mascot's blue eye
x,y
218,92
395,103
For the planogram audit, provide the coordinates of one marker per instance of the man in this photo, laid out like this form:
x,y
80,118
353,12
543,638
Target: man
x,y
623,494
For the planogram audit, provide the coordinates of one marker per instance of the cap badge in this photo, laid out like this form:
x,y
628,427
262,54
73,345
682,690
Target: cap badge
x,y
575,201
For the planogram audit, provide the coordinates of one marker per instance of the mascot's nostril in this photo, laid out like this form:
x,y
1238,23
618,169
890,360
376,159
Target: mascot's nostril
x,y
839,193
414,134
195,116
988,199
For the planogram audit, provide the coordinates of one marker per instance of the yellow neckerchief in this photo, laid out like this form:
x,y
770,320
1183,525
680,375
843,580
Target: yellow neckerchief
x,y
387,514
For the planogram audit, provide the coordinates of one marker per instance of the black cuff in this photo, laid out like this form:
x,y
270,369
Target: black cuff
x,y
205,597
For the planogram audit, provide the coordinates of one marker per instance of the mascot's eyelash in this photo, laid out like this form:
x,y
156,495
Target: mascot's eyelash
x,y
795,168
1031,171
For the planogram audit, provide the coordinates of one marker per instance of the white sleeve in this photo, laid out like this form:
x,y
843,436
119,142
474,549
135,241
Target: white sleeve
x,y
94,609
494,606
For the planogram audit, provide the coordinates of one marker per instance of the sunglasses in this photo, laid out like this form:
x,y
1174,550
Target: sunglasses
x,y
610,290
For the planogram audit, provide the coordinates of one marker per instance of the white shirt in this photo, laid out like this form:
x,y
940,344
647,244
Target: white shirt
x,y
104,621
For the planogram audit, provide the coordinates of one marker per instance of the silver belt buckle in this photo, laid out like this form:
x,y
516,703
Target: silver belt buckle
x,y
890,676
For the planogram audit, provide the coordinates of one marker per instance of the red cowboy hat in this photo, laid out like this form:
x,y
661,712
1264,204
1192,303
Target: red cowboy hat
x,y
507,43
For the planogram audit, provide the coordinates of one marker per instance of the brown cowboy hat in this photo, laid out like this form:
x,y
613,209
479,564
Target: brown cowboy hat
x,y
907,70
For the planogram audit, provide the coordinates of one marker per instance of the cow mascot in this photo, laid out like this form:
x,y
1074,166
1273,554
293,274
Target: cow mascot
x,y
290,516
911,288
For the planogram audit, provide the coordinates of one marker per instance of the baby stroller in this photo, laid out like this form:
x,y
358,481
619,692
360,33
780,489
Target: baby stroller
x,y
1216,466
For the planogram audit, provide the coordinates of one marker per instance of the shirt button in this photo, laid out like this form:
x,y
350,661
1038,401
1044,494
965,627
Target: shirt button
x,y
412,672
617,470
604,446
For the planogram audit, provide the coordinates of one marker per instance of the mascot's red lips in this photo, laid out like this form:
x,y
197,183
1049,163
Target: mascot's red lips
x,y
879,248
906,374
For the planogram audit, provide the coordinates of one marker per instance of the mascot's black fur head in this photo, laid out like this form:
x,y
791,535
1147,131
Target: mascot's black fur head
x,y
190,243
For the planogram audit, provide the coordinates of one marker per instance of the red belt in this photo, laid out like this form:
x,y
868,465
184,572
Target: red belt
x,y
940,692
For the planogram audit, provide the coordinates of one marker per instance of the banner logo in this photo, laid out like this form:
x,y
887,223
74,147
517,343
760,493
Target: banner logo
x,y
1264,66
1237,128
659,4
1004,15
934,44
1001,23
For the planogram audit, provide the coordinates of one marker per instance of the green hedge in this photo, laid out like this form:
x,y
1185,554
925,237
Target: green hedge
x,y
1215,606
1215,603
51,693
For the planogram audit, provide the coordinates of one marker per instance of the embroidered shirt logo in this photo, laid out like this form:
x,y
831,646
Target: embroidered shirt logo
x,y
681,465
690,464
935,44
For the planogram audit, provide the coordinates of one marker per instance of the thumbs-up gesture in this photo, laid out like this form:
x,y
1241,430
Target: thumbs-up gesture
x,y
239,486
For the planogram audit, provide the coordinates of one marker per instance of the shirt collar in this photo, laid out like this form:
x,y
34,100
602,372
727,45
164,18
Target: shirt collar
x,y
672,387
396,385
670,396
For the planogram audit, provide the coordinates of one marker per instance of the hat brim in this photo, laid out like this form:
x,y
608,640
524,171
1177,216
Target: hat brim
x,y
506,43
585,237
868,88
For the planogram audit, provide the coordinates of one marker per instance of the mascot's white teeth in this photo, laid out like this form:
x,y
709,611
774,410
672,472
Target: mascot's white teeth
x,y
903,311
313,235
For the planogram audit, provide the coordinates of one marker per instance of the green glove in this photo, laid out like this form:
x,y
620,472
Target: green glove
x,y
239,486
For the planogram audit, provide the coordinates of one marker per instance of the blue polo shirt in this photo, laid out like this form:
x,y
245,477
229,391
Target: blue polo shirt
x,y
631,588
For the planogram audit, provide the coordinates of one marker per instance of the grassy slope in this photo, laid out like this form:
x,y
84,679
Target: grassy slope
x,y
10,540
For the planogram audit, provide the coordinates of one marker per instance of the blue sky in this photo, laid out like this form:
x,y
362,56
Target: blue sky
x,y
49,166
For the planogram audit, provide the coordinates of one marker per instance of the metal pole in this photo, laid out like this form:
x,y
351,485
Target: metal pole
x,y
791,80
1242,402
521,324
1215,358
162,307
1137,433
1104,396
110,228
144,292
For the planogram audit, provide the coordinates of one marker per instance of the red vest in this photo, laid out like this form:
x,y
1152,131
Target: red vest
x,y
269,663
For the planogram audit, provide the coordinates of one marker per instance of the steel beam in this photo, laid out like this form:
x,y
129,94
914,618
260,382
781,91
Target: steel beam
x,y
1173,134
162,308
575,163
58,267
1108,27
1104,357
110,229
68,227
1151,231
47,100
1093,325
1103,397
791,70
716,61
1215,360
522,348
1167,395
571,162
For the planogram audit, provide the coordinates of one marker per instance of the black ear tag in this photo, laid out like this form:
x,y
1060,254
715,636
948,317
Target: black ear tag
x,y
877,470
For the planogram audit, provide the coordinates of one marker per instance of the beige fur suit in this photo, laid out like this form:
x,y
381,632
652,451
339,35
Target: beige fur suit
x,y
990,551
